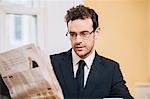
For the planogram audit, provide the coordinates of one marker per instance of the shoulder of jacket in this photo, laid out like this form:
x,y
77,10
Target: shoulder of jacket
x,y
106,60
60,54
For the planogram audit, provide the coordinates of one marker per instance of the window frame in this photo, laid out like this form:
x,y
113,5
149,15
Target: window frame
x,y
13,9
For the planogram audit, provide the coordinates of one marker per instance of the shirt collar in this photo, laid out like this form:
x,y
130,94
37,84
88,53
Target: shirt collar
x,y
88,60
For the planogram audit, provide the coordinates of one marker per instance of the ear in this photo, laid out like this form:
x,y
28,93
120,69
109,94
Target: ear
x,y
97,32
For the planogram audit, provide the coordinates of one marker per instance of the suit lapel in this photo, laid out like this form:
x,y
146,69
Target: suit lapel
x,y
68,75
94,76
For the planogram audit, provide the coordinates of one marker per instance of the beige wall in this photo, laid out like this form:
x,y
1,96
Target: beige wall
x,y
124,36
149,35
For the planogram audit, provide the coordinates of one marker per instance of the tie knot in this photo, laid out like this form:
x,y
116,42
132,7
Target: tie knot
x,y
81,64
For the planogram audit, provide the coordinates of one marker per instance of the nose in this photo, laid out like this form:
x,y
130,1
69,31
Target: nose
x,y
78,39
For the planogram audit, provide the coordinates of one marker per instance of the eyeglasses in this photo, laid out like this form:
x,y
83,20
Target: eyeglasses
x,y
83,35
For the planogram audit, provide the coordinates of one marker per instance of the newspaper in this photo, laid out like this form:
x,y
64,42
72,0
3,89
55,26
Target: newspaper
x,y
25,81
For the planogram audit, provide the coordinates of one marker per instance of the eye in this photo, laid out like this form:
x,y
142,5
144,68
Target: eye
x,y
72,34
84,33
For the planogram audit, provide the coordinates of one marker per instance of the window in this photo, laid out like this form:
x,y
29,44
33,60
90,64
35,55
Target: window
x,y
19,22
21,28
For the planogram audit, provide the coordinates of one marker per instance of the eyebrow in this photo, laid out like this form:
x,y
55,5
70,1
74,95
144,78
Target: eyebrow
x,y
80,31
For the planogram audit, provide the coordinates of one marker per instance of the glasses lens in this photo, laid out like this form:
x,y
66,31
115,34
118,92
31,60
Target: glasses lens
x,y
83,35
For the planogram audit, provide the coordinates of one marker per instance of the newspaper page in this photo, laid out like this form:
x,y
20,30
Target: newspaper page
x,y
26,81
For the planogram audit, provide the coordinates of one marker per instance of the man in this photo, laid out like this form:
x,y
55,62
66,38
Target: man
x,y
98,76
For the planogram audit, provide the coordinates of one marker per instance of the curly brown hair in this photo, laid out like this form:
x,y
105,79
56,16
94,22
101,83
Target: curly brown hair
x,y
82,12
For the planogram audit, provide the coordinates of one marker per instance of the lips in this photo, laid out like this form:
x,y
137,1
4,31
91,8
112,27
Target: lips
x,y
79,48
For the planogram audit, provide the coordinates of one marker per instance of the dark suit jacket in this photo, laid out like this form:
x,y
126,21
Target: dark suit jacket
x,y
105,78
3,90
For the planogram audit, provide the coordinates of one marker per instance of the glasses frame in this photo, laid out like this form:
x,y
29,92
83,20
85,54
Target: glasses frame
x,y
87,36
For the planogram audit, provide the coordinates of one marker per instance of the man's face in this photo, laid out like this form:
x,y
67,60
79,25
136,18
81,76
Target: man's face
x,y
83,47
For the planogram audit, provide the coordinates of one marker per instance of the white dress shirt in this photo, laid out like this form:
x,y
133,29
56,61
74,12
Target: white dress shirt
x,y
87,68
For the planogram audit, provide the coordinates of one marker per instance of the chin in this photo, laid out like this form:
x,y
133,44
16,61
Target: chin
x,y
81,55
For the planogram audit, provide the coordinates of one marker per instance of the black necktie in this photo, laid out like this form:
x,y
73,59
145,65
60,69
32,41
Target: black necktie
x,y
80,76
